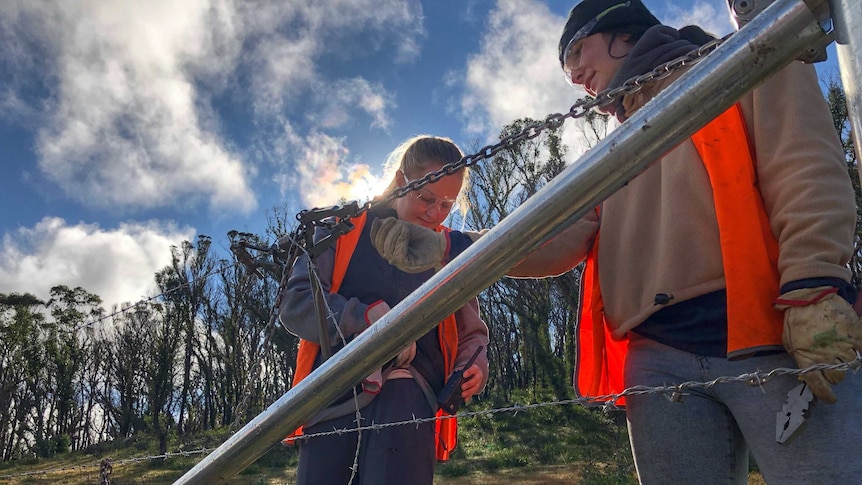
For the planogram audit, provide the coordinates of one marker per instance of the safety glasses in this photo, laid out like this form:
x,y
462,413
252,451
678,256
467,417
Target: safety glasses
x,y
428,200
572,52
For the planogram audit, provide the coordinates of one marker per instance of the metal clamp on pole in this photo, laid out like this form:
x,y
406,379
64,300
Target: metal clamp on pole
x,y
743,11
340,225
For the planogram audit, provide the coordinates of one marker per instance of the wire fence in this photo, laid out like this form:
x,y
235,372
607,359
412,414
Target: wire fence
x,y
607,402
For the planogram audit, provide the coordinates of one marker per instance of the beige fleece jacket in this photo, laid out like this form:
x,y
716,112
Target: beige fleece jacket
x,y
659,233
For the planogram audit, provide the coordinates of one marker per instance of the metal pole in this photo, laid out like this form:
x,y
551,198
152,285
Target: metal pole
x,y
765,45
846,13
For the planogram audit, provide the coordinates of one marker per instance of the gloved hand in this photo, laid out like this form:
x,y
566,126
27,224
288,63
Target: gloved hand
x,y
409,247
820,327
375,311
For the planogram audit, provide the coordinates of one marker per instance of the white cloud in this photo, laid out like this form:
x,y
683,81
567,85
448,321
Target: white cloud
x,y
129,106
123,127
118,265
337,101
711,15
516,73
326,177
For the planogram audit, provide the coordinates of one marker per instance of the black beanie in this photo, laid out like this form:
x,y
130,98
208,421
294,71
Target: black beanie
x,y
630,14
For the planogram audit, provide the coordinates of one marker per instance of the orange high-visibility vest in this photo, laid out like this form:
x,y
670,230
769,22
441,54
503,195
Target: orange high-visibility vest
x,y
446,429
749,254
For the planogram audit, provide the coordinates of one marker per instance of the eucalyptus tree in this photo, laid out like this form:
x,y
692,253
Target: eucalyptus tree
x,y
529,319
186,291
21,361
69,354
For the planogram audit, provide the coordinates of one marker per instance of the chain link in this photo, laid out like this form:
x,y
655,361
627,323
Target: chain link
x,y
533,130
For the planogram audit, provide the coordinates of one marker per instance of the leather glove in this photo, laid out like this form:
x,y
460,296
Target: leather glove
x,y
409,247
375,311
820,327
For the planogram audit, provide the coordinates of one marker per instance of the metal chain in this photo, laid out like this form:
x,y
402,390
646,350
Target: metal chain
x,y
578,110
289,254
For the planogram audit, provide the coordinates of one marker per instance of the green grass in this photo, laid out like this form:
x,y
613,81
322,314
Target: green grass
x,y
552,435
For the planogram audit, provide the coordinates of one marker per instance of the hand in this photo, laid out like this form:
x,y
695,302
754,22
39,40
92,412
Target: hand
x,y
405,357
407,246
820,327
375,311
472,381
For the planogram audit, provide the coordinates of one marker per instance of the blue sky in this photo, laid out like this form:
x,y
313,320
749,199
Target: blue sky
x,y
127,126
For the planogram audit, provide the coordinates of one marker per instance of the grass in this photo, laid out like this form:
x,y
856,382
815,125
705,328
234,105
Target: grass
x,y
550,445
580,444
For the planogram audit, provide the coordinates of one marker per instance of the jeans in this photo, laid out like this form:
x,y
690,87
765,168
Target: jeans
x,y
706,438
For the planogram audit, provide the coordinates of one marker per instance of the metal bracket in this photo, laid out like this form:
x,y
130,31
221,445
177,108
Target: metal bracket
x,y
743,11
341,214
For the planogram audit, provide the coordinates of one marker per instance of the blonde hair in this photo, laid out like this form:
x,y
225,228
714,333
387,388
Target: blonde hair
x,y
416,157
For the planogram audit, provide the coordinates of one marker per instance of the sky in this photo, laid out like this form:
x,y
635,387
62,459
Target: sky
x,y
127,127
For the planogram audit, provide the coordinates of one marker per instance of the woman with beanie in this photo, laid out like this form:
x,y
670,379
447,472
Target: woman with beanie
x,y
727,256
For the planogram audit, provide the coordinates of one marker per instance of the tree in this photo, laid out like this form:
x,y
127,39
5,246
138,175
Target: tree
x,y
837,101
20,357
530,320
68,353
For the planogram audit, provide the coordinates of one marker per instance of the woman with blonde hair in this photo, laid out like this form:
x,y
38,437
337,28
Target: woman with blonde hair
x,y
360,287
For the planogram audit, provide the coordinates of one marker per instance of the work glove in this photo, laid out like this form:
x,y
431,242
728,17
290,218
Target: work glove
x,y
375,311
411,247
820,327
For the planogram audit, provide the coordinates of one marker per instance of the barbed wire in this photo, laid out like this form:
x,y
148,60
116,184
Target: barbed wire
x,y
607,402
223,266
674,392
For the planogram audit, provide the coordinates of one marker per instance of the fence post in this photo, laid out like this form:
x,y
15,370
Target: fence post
x,y
105,471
